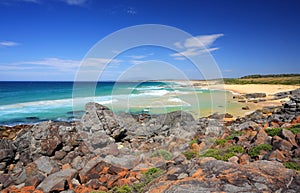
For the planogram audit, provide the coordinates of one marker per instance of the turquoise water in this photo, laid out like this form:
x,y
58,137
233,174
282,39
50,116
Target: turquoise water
x,y
31,102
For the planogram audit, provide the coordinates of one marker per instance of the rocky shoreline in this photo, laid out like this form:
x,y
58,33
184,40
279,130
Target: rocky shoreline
x,y
173,152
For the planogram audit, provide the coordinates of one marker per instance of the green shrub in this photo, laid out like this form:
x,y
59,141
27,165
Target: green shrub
x,y
220,141
255,151
273,131
122,189
193,141
234,134
97,192
212,153
236,149
190,154
295,129
292,165
148,176
166,155
223,154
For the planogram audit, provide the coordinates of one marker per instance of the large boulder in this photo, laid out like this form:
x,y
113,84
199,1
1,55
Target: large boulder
x,y
58,181
6,150
210,175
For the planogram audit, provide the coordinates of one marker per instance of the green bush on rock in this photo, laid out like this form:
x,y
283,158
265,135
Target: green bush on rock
x,y
292,165
166,155
255,151
273,131
148,176
190,154
223,154
122,189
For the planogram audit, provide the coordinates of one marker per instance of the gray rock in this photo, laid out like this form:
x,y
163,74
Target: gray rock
x,y
289,136
255,95
57,181
247,125
100,140
125,161
46,165
6,150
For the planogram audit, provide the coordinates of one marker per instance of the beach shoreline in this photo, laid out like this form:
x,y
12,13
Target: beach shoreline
x,y
242,89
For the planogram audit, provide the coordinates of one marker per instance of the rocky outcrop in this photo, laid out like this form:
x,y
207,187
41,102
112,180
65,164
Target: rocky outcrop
x,y
210,175
106,150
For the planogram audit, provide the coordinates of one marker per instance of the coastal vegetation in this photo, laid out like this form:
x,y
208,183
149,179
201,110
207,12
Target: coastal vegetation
x,y
284,79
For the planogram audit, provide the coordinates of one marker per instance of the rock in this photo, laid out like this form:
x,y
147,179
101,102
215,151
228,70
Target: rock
x,y
210,175
6,180
57,181
100,140
6,150
277,155
34,180
261,138
220,116
60,155
125,161
46,165
281,144
244,159
248,125
78,163
94,184
92,168
255,95
245,108
289,136
182,176
233,159
46,139
214,128
99,118
68,191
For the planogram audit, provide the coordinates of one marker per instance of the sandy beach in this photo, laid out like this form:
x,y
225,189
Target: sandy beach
x,y
239,89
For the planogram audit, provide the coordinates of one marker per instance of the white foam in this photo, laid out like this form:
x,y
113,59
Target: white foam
x,y
180,101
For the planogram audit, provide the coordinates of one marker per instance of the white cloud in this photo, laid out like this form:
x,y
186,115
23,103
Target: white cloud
x,y
65,64
179,58
8,44
99,63
201,41
75,2
227,70
59,64
136,57
178,45
136,62
195,46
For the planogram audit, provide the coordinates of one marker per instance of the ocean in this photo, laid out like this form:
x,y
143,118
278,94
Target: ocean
x,y
33,102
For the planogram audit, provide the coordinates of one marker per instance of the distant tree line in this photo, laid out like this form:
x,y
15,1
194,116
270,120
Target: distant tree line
x,y
269,75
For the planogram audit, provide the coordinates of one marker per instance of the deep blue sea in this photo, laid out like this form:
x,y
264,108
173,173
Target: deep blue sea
x,y
32,102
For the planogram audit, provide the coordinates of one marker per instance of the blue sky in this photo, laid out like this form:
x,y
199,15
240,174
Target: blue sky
x,y
47,39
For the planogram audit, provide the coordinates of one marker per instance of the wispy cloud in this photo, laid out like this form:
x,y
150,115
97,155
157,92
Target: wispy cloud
x,y
136,57
56,63
59,69
196,46
75,2
62,65
136,62
8,44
